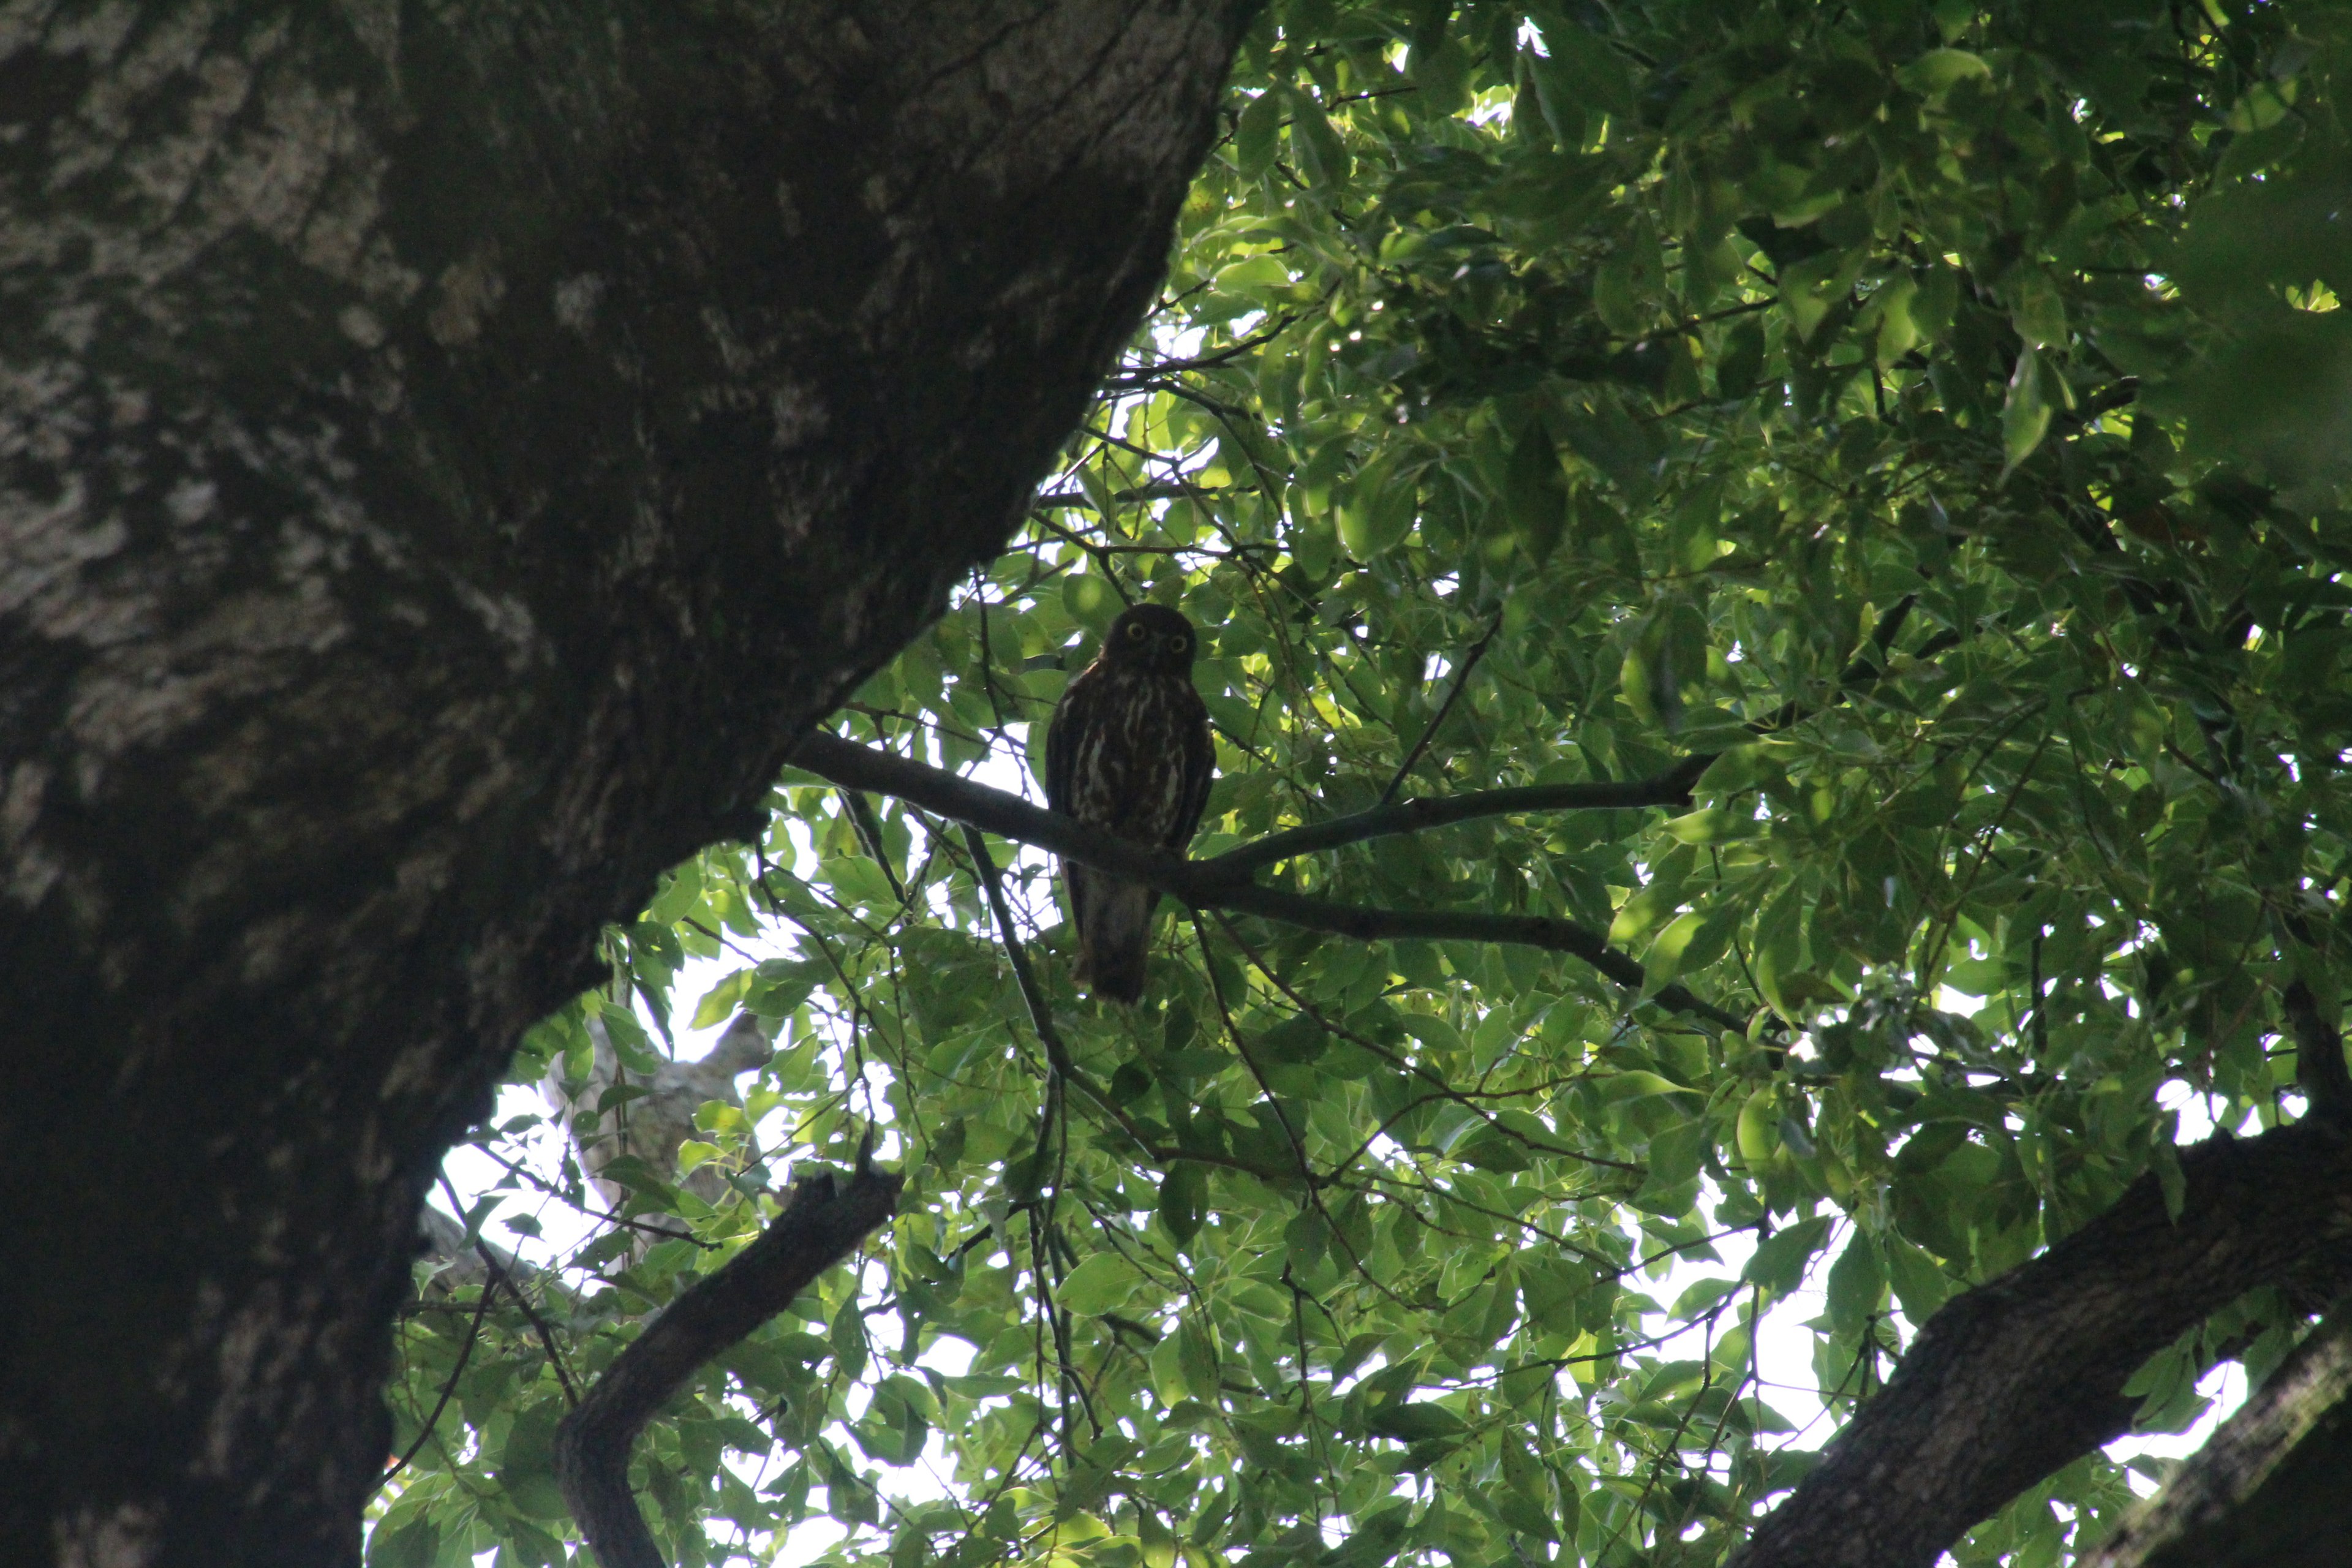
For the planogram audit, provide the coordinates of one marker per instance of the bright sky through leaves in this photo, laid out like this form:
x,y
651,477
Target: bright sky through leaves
x,y
1927,412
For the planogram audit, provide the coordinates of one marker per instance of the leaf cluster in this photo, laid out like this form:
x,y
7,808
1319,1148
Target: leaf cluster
x,y
1931,411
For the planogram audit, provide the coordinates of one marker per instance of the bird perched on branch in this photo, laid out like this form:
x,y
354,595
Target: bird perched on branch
x,y
1129,752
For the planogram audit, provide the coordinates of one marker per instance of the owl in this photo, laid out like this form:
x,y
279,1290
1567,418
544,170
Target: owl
x,y
1129,752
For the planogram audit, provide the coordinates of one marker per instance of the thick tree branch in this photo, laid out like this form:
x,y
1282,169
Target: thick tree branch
x,y
1220,884
821,1223
1671,787
2199,1520
2020,1376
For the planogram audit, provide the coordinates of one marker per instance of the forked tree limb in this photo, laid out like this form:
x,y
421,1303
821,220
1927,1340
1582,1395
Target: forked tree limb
x,y
2022,1375
1224,883
821,1222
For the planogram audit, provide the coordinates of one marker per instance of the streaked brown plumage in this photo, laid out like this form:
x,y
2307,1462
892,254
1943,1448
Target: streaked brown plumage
x,y
1129,752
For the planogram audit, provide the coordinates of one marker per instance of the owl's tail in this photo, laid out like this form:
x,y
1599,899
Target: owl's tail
x,y
1114,921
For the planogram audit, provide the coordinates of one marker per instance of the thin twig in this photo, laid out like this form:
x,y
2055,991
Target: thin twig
x,y
1403,1063
1132,376
464,1355
1034,997
1063,1071
1041,1016
500,1275
1454,693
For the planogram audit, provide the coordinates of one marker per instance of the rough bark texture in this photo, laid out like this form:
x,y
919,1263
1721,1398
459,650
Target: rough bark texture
x,y
2294,1520
2017,1378
2248,1495
448,454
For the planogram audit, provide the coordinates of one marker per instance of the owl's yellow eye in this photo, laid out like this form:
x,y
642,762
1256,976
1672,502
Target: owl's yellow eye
x,y
1135,631
1181,643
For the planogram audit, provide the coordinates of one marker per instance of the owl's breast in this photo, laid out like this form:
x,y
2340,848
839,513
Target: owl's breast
x,y
1127,771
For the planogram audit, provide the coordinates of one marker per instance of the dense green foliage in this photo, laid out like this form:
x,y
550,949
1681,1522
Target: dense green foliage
x,y
1934,410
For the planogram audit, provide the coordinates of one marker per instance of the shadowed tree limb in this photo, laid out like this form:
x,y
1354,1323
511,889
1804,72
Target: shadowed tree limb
x,y
821,1222
2319,1070
2022,1375
2200,1519
1220,884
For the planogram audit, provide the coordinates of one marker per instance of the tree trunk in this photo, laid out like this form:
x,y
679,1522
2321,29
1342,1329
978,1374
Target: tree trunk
x,y
447,455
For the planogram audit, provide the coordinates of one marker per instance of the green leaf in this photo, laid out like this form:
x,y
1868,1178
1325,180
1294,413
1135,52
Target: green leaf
x,y
1741,361
1535,496
1381,508
681,893
1890,317
627,1037
1812,288
1711,826
1779,1262
1090,601
1584,65
1256,273
1099,1284
1937,71
721,1001
1441,70
2039,313
1414,1423
1692,941
1321,156
1779,948
411,1542
1675,1155
847,1337
1919,1285
1255,134
1636,1084
1197,1359
527,1463
1856,1282
1183,1199
2025,415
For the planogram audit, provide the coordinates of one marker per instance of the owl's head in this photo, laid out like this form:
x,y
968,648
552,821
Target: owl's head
x,y
1152,637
